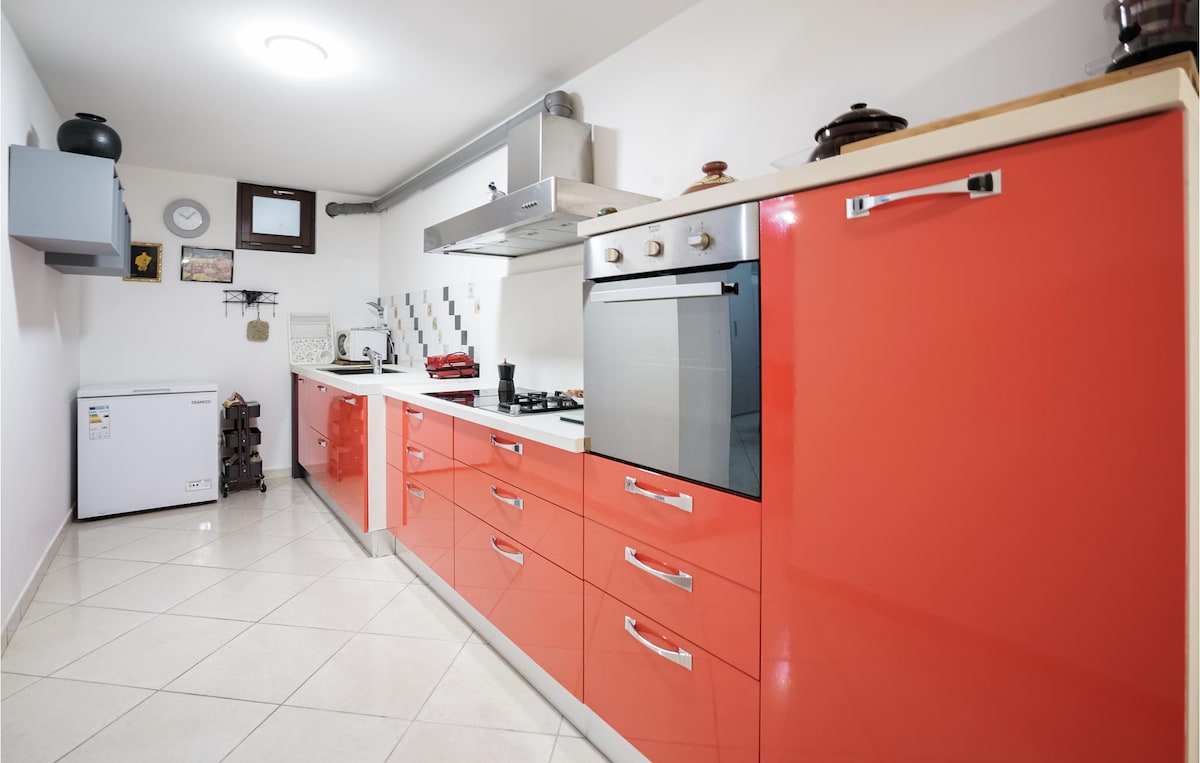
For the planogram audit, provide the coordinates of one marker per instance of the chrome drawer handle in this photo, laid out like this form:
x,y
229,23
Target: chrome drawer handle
x,y
320,442
350,400
418,415
516,503
515,447
683,501
681,578
680,656
516,556
414,492
414,452
979,185
322,387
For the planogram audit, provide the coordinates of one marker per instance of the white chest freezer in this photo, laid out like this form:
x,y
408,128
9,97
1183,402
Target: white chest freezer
x,y
146,446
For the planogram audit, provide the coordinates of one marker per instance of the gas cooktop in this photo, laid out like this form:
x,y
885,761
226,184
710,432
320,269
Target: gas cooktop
x,y
521,402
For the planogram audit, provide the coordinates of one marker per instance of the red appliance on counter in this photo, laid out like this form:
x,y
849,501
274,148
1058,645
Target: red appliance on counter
x,y
456,365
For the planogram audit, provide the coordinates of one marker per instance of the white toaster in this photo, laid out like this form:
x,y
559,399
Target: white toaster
x,y
350,343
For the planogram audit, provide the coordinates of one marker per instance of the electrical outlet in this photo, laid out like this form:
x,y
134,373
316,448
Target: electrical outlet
x,y
198,485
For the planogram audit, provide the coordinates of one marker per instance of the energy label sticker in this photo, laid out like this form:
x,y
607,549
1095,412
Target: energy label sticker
x,y
98,422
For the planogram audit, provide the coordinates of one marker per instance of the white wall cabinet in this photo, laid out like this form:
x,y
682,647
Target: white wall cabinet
x,y
71,207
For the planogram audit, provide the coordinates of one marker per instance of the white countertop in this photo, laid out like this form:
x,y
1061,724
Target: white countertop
x,y
1162,91
411,386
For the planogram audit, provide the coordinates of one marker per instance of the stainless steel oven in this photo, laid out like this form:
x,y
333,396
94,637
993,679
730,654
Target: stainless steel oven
x,y
671,361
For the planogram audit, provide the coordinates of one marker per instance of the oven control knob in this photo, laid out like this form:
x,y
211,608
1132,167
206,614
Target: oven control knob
x,y
653,248
612,255
699,241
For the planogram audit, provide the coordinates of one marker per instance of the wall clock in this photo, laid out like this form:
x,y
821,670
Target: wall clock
x,y
186,218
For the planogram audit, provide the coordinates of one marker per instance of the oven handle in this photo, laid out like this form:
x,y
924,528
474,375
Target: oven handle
x,y
673,291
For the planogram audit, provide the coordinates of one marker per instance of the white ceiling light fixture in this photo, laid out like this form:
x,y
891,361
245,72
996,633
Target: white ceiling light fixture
x,y
297,55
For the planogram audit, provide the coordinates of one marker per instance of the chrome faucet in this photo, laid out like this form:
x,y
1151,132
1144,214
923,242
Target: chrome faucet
x,y
376,360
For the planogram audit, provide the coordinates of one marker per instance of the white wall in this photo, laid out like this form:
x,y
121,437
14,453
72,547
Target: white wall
x,y
746,82
178,330
39,358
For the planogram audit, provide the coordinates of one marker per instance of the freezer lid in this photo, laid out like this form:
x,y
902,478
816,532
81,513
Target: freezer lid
x,y
145,388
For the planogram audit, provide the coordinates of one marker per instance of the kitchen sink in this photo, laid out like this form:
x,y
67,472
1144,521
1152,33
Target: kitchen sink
x,y
355,371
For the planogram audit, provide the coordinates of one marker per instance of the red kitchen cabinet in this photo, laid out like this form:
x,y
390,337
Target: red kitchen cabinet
x,y
423,521
312,404
531,600
974,477
551,530
331,429
429,466
432,429
717,614
715,530
545,471
668,697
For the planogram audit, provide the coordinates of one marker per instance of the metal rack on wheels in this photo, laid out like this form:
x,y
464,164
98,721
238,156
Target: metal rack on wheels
x,y
241,465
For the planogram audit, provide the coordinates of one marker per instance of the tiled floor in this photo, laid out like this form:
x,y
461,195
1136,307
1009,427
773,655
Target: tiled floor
x,y
255,629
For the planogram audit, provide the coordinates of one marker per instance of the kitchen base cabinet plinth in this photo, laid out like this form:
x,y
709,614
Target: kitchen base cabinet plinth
x,y
672,700
531,600
975,467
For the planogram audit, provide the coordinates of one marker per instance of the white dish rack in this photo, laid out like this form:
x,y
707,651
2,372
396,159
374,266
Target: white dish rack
x,y
310,338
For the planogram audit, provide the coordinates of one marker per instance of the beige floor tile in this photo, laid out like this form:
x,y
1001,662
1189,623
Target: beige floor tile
x,y
39,610
380,675
160,546
155,653
245,595
300,735
565,729
331,531
174,727
481,689
61,560
419,612
11,683
462,744
73,584
336,603
233,551
159,588
48,719
308,557
224,520
289,524
63,637
266,663
91,541
386,568
576,750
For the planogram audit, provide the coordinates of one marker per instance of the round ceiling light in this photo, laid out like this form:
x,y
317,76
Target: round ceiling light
x,y
296,53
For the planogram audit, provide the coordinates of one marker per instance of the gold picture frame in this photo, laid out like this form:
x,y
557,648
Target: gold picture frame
x,y
145,262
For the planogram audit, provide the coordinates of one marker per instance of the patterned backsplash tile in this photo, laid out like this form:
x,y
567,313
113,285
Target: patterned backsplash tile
x,y
434,321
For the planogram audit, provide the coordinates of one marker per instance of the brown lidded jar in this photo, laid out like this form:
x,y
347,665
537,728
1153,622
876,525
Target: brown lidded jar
x,y
859,123
714,175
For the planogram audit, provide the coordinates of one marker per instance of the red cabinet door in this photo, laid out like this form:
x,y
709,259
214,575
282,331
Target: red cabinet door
x,y
312,403
531,600
671,699
423,521
313,452
546,471
346,474
974,460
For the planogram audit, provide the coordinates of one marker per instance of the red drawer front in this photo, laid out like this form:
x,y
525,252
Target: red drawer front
x,y
429,466
395,449
426,522
312,404
313,452
532,601
721,533
550,530
553,474
395,415
705,714
717,614
395,497
432,429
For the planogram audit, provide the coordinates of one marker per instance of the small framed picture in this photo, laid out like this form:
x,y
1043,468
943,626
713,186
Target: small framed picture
x,y
211,265
145,262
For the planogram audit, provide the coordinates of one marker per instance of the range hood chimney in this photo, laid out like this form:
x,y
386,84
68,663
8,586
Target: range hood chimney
x,y
550,191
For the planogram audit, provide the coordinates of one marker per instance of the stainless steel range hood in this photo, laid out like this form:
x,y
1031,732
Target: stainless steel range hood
x,y
536,218
550,162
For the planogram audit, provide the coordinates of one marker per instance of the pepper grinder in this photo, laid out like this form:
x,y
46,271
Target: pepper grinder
x,y
507,390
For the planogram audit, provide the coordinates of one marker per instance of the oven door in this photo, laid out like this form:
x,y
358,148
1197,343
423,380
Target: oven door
x,y
671,373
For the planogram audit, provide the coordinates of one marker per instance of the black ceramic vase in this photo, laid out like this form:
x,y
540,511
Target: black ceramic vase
x,y
87,134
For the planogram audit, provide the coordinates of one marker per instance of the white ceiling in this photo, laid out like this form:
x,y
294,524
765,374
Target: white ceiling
x,y
410,82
